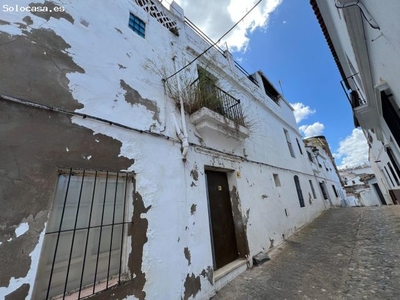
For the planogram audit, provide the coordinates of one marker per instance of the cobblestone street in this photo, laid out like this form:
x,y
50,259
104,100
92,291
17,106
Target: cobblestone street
x,y
346,253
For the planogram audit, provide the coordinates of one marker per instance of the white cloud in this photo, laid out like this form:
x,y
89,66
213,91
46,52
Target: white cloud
x,y
301,111
312,130
353,150
215,18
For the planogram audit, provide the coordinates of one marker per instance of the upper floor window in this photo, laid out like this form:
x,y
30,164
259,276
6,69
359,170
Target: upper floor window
x,y
269,89
298,144
289,142
310,156
137,25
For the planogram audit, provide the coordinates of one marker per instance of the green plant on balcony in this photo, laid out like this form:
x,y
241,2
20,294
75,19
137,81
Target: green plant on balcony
x,y
203,93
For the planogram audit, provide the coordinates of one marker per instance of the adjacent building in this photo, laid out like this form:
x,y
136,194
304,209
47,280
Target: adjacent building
x,y
363,38
139,161
362,188
325,171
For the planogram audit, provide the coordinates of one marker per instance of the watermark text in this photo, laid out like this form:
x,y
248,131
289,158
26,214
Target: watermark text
x,y
31,8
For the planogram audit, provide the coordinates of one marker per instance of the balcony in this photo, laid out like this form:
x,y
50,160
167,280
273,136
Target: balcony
x,y
365,113
214,111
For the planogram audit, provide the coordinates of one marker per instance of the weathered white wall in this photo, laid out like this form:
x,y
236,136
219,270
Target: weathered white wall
x,y
113,57
382,46
353,200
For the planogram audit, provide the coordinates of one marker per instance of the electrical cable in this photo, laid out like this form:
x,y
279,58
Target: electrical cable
x,y
155,134
346,6
362,12
213,45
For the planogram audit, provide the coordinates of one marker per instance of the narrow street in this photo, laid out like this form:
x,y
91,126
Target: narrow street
x,y
346,253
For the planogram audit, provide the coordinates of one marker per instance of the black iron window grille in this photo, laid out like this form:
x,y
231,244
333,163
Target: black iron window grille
x,y
299,191
298,144
393,174
389,151
312,190
323,190
334,190
390,178
84,250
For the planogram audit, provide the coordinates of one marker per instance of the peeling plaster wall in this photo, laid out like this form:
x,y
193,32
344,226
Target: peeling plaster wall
x,y
87,60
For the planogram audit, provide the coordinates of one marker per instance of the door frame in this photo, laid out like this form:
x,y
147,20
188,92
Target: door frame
x,y
238,220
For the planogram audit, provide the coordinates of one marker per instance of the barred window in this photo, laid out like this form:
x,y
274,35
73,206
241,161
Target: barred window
x,y
84,246
299,191
312,190
334,190
393,174
298,144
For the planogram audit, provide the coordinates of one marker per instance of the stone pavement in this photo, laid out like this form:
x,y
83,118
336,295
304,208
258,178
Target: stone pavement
x,y
346,253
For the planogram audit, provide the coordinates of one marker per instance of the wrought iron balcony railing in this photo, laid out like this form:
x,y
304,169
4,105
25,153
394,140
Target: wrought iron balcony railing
x,y
210,96
355,97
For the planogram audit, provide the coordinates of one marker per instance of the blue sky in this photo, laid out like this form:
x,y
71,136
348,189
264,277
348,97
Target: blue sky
x,y
283,39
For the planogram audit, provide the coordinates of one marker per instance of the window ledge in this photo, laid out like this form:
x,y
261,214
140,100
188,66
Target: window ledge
x,y
207,121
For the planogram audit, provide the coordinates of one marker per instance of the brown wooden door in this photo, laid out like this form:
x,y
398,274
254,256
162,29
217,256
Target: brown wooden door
x,y
222,226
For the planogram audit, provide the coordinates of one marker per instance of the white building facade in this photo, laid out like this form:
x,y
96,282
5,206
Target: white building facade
x,y
363,38
362,187
137,165
325,171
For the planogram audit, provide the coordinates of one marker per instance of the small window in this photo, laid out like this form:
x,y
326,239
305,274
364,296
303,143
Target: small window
x,y
289,143
83,249
137,25
298,144
299,191
334,190
312,190
310,156
269,89
277,180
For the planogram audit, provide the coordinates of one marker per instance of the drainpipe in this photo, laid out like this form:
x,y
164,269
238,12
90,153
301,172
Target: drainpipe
x,y
182,134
